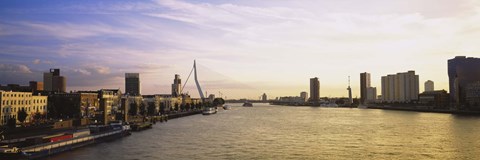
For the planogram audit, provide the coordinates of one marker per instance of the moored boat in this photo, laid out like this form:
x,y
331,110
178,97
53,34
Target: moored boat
x,y
247,104
209,111
227,107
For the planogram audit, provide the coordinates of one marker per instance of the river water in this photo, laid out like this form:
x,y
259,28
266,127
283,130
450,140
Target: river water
x,y
280,132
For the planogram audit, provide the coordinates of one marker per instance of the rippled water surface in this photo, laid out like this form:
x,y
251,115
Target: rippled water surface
x,y
279,132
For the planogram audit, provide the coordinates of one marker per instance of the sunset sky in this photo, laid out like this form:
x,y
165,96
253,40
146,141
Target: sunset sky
x,y
243,48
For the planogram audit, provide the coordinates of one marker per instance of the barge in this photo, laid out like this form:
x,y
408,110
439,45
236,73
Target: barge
x,y
61,143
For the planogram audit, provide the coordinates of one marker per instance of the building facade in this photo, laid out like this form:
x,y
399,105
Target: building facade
x,y
371,95
13,102
401,87
434,99
364,84
314,90
132,84
473,96
461,72
429,86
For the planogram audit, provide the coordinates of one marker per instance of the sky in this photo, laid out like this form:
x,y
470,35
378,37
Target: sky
x,y
243,48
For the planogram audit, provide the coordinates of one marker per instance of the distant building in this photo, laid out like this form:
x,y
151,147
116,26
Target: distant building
x,y
371,94
429,86
304,96
292,100
264,97
176,86
402,87
132,84
53,82
461,72
364,84
16,88
36,86
314,90
473,96
13,102
434,99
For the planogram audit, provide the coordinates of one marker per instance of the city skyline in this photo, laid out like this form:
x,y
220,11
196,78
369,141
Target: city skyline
x,y
241,46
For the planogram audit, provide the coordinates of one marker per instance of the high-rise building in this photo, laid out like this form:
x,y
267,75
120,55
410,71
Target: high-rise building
x,y
402,87
132,84
304,96
364,84
176,86
264,97
462,71
54,82
314,90
429,86
371,94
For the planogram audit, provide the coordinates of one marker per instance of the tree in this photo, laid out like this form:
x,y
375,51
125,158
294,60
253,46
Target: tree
x,y
162,108
143,109
22,115
151,108
37,116
133,109
218,101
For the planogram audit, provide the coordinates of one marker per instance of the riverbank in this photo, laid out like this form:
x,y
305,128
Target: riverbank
x,y
460,112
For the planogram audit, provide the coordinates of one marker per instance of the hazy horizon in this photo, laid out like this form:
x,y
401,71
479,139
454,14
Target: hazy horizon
x,y
243,48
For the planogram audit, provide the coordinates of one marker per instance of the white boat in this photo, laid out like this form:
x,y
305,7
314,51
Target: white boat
x,y
209,111
227,107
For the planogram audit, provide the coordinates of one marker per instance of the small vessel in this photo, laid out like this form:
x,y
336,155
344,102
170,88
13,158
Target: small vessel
x,y
247,104
227,107
209,111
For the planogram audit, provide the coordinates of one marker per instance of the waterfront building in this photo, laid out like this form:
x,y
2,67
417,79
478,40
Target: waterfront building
x,y
401,87
13,102
53,82
292,100
371,94
89,104
176,86
364,84
429,86
434,99
473,96
304,96
314,90
461,72
132,84
264,97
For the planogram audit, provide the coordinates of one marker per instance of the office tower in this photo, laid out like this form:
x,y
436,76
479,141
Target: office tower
x,y
462,71
364,84
314,90
304,96
371,94
264,97
429,86
132,84
176,86
401,87
54,82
